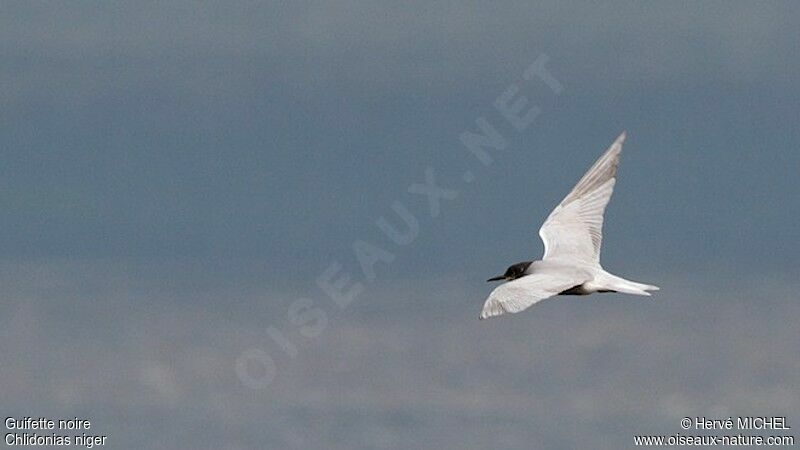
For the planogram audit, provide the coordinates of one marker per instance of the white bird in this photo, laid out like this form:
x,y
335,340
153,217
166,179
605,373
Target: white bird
x,y
572,236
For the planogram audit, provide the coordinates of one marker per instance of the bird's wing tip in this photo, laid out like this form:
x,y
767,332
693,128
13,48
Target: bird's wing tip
x,y
487,314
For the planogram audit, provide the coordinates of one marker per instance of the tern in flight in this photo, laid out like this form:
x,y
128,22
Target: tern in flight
x,y
572,235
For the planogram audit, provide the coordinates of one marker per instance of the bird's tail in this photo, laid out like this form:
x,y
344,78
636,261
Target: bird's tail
x,y
619,284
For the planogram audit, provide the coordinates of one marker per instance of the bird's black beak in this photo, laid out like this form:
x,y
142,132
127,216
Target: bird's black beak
x,y
501,277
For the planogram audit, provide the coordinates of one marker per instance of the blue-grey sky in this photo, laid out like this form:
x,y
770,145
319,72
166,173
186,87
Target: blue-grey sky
x,y
174,176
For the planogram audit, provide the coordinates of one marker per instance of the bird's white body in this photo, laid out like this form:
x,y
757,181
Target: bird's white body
x,y
572,236
597,279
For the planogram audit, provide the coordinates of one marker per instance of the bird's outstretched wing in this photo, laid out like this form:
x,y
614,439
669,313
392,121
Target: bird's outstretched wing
x,y
522,293
574,230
